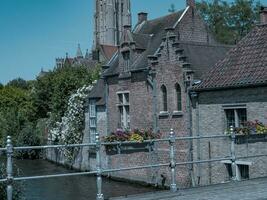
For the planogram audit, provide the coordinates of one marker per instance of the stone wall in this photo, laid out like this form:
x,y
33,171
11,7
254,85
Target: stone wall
x,y
211,117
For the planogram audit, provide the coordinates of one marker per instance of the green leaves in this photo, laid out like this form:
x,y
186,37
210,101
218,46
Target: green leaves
x,y
229,21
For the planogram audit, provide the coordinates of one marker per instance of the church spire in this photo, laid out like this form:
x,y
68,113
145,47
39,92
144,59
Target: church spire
x,y
79,53
110,17
87,55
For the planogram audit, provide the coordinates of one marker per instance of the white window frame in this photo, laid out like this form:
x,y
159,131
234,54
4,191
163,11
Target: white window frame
x,y
236,114
124,109
126,58
92,120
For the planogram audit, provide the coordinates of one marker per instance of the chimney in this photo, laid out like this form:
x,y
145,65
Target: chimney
x,y
191,3
127,27
263,15
142,16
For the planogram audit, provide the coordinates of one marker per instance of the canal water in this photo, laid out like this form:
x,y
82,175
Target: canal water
x,y
69,188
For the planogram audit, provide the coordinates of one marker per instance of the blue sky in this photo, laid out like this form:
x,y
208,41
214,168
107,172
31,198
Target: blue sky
x,y
34,32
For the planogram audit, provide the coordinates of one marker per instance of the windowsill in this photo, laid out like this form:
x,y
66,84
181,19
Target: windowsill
x,y
163,113
238,162
121,104
177,113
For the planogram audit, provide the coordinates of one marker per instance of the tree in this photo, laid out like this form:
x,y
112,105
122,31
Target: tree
x,y
19,83
229,22
16,109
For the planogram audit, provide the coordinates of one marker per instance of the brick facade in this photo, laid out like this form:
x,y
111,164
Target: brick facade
x,y
210,115
171,67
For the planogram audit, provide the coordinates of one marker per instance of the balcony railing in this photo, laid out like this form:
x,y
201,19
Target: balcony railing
x,y
9,149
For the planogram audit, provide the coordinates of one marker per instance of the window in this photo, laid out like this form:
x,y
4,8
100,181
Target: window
x,y
178,97
236,117
126,58
124,110
92,120
164,98
242,170
122,7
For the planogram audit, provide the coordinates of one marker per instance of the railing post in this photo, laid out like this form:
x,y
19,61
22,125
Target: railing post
x,y
9,168
99,196
173,186
235,176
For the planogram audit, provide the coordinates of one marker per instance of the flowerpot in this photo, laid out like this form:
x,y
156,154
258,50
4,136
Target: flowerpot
x,y
128,148
252,138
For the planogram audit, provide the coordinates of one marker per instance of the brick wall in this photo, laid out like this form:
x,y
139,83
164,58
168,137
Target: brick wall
x,y
212,122
193,28
169,71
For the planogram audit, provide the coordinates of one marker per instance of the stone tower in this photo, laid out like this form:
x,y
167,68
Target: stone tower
x,y
110,17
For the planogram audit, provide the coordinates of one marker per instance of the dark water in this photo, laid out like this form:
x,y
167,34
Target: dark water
x,y
69,188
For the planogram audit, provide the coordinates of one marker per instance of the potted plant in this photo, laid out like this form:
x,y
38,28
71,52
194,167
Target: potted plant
x,y
136,138
253,131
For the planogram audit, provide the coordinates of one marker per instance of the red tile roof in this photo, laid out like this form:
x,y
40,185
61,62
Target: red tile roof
x,y
244,65
108,51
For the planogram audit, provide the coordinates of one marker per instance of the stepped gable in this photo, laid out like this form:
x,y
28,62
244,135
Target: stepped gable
x,y
244,65
147,35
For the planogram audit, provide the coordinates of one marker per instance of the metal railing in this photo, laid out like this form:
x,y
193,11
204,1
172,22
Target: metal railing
x,y
9,149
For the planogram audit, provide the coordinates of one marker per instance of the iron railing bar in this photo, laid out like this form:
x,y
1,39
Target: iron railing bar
x,y
3,180
255,156
134,168
113,170
113,143
203,161
2,149
53,146
54,176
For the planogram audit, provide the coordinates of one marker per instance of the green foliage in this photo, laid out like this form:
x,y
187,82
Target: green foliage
x,y
24,110
19,83
229,21
51,91
18,187
16,110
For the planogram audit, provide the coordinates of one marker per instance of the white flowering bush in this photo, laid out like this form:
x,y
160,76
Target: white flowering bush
x,y
70,129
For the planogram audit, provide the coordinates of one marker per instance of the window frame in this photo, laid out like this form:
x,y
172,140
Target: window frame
x,y
126,59
236,122
124,109
178,98
164,99
92,119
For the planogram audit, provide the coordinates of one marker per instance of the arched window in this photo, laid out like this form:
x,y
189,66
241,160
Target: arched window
x,y
164,98
178,93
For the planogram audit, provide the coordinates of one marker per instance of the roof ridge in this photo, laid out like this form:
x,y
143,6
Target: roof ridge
x,y
205,44
162,17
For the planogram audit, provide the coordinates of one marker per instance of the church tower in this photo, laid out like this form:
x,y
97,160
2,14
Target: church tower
x,y
110,17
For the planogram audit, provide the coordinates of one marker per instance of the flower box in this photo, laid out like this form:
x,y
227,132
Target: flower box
x,y
128,148
252,138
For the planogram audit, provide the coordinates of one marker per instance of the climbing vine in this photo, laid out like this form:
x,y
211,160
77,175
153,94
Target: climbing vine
x,y
70,129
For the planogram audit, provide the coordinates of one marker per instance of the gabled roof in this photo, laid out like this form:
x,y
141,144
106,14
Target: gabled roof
x,y
98,92
147,35
79,53
244,65
202,56
108,51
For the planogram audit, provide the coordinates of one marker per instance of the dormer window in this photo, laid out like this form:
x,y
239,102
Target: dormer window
x,y
126,61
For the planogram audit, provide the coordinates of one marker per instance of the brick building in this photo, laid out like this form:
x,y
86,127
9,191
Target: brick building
x,y
147,81
233,92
